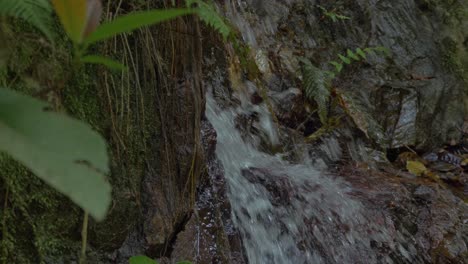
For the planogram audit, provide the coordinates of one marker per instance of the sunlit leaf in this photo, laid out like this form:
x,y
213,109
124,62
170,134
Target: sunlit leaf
x,y
72,14
142,260
128,23
66,153
109,63
416,168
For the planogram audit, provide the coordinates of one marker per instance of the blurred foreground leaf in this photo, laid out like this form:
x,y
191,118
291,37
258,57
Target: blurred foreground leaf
x,y
64,152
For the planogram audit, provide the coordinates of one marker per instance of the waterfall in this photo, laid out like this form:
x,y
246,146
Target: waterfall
x,y
289,213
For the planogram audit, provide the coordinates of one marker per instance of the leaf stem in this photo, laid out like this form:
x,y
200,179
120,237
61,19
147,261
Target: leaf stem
x,y
84,238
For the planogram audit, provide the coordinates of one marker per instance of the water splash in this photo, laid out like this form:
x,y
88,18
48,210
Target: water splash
x,y
290,213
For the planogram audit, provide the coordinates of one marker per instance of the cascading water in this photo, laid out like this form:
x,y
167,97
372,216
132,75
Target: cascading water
x,y
291,213
294,212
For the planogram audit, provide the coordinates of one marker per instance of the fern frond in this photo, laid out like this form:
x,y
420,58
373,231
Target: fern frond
x,y
317,87
344,59
361,53
210,16
358,55
36,12
338,66
352,55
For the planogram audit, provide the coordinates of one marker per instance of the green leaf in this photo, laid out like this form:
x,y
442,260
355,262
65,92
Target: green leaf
x,y
317,88
384,50
109,63
344,59
330,74
128,23
342,17
64,152
184,262
352,55
369,50
361,53
36,12
210,16
142,260
338,66
72,14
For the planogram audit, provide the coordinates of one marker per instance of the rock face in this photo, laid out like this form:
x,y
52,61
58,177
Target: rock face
x,y
431,218
209,236
420,87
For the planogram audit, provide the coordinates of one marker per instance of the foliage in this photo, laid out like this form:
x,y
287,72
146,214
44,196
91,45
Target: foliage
x,y
36,12
146,260
332,14
73,15
317,87
208,14
76,17
358,55
63,152
111,64
133,21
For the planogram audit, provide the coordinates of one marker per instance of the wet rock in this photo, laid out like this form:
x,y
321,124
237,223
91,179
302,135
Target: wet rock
x,y
430,216
418,89
288,106
424,193
210,236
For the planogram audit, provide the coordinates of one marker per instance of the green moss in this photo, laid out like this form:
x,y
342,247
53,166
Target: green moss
x,y
33,228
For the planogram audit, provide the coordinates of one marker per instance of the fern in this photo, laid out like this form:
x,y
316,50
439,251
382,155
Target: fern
x,y
36,12
332,15
317,87
358,55
210,16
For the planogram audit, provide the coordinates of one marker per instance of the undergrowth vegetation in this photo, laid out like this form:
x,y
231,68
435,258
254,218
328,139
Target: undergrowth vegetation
x,y
41,139
318,88
38,13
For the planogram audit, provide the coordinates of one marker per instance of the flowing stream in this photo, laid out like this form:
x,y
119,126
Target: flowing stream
x,y
291,213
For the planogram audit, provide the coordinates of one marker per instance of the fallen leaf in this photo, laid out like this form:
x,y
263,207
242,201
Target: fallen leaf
x,y
416,168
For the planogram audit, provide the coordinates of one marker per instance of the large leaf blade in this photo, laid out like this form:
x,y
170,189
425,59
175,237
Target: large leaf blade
x,y
72,14
128,23
65,153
